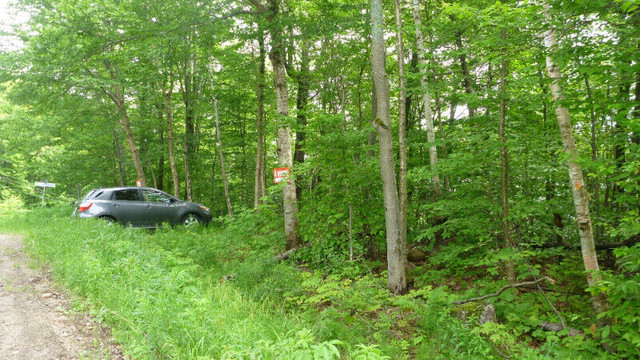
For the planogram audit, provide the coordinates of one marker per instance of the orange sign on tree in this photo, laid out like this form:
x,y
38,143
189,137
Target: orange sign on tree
x,y
280,174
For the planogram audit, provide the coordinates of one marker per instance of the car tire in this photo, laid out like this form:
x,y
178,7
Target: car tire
x,y
110,220
190,219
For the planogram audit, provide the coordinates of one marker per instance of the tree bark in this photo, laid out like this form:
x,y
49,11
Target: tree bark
x,y
397,282
579,190
285,156
426,100
402,125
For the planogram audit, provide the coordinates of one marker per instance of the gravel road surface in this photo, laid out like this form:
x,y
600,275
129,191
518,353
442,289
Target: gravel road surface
x,y
36,320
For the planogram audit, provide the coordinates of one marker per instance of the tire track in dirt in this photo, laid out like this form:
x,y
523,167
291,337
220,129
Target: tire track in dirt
x,y
35,317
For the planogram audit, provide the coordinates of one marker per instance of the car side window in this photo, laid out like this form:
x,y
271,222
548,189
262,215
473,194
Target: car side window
x,y
155,196
126,195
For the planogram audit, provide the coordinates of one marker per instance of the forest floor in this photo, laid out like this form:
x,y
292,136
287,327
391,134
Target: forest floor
x,y
36,318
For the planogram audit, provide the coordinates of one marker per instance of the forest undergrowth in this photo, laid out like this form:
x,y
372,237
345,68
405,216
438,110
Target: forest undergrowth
x,y
218,292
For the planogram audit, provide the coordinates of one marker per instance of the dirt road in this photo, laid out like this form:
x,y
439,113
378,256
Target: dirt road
x,y
35,318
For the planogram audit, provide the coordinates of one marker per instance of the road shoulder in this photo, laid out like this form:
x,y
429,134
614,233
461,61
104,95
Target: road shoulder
x,y
36,317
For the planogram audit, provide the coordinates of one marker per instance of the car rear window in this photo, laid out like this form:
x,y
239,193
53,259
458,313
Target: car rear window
x,y
126,195
95,194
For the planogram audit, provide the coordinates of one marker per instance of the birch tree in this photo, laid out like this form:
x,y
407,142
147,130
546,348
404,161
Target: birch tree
x,y
578,187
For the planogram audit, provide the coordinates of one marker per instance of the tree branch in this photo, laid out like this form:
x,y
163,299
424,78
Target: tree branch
x,y
525,283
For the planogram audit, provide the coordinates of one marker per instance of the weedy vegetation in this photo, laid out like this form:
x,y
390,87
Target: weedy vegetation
x,y
219,293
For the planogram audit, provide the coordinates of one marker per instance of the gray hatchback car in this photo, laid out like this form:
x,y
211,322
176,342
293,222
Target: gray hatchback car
x,y
140,207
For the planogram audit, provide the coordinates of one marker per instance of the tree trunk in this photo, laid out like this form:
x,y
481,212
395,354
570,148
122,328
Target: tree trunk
x,y
464,67
285,156
443,136
580,196
172,155
150,165
301,106
402,125
594,152
397,282
223,170
259,174
189,93
124,120
161,161
504,155
426,100
120,156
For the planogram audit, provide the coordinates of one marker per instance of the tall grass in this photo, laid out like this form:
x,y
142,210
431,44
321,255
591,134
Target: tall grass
x,y
161,304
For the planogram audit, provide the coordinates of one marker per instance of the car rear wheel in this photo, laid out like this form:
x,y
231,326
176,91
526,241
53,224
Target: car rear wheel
x,y
108,219
190,219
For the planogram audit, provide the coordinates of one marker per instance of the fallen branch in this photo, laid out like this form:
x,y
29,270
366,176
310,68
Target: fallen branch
x,y
549,326
285,255
602,247
525,283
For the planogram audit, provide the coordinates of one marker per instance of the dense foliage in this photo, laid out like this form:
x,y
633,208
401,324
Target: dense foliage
x,y
104,93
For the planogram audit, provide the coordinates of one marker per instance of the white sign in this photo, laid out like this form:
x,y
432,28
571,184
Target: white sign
x,y
44,186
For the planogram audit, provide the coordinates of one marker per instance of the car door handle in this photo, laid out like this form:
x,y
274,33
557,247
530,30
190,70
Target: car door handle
x,y
148,206
116,205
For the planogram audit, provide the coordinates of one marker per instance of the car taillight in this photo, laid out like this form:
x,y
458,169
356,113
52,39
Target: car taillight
x,y
84,206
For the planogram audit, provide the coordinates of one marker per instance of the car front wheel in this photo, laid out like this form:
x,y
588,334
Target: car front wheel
x,y
190,219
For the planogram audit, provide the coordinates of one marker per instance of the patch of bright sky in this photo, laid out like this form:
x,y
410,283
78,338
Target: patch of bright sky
x,y
10,16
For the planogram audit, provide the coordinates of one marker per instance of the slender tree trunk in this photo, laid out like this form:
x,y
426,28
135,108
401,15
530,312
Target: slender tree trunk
x,y
259,173
467,83
285,156
443,136
402,125
504,155
189,93
636,110
580,196
594,151
223,170
161,161
426,100
135,154
301,106
397,282
117,97
119,155
150,165
170,144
